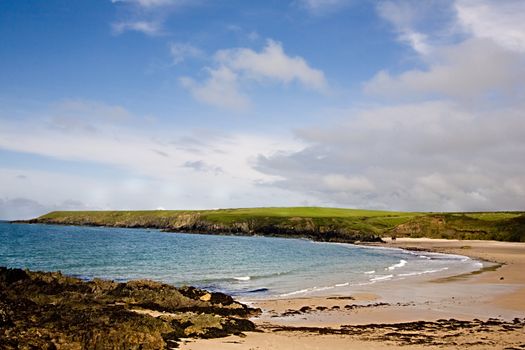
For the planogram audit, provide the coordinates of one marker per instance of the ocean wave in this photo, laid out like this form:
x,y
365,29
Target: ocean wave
x,y
417,273
258,290
370,247
315,289
242,278
381,278
370,272
235,278
302,291
401,263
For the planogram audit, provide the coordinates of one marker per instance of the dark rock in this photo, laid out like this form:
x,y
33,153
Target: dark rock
x,y
8,276
48,310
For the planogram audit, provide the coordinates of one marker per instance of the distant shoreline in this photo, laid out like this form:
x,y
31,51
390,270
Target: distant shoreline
x,y
319,224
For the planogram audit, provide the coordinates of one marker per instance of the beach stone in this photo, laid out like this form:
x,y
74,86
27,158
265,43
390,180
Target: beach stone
x,y
206,297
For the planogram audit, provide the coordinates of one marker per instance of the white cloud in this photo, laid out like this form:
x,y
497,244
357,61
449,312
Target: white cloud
x,y
146,16
502,21
131,165
200,165
151,28
237,66
435,155
272,63
221,89
86,116
423,25
343,183
418,41
404,16
181,51
450,135
472,68
127,164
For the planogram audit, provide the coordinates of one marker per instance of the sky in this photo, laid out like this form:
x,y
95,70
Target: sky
x,y
198,104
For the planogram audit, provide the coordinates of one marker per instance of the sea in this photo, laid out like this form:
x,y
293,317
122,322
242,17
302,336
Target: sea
x,y
248,267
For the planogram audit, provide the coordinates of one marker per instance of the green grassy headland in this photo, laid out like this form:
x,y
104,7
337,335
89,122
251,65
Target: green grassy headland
x,y
323,224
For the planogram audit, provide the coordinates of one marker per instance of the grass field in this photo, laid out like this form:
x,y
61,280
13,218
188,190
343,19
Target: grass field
x,y
331,224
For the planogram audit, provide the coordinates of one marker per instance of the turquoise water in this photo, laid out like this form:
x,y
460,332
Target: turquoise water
x,y
242,266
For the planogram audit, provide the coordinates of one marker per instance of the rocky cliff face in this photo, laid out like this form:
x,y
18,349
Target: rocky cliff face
x,y
431,226
459,226
327,231
504,226
294,228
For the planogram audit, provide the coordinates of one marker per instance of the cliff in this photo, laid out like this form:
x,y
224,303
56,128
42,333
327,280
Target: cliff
x,y
320,224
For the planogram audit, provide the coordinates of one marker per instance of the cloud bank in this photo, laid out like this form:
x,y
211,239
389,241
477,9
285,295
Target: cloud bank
x,y
105,157
447,136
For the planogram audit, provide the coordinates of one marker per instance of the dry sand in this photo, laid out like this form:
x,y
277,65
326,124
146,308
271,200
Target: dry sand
x,y
411,314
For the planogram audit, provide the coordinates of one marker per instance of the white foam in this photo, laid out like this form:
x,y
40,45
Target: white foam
x,y
365,283
317,289
342,284
242,278
401,263
423,272
370,272
302,291
381,278
314,289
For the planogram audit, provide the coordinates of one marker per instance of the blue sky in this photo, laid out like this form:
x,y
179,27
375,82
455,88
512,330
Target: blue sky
x,y
144,104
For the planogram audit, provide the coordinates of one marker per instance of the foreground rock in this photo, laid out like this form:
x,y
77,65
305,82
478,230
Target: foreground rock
x,y
51,311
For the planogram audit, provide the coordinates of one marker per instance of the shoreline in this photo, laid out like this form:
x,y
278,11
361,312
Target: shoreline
x,y
331,321
480,309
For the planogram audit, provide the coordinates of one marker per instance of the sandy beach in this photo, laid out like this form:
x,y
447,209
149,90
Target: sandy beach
x,y
479,310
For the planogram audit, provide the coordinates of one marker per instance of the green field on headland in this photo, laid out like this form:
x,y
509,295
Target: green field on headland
x,y
322,224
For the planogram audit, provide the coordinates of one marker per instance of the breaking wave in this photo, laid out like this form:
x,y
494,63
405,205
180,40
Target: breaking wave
x,y
401,263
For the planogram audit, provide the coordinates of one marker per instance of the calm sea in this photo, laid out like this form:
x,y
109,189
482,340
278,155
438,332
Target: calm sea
x,y
242,266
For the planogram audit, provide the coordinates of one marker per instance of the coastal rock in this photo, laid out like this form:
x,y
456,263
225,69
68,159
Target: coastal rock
x,y
53,311
206,297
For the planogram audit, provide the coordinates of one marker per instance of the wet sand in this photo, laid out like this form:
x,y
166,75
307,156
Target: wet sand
x,y
477,310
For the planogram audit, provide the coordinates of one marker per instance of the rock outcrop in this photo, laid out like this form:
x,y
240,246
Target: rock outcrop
x,y
51,311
